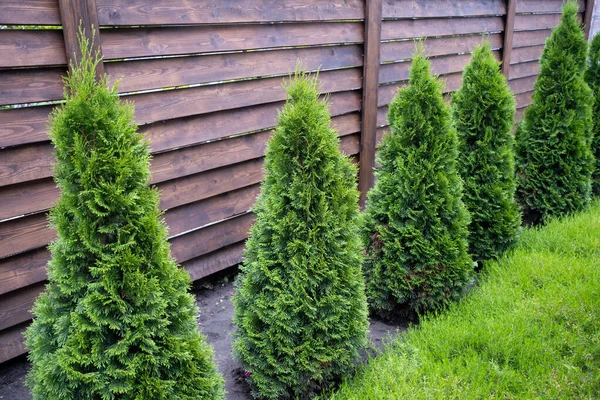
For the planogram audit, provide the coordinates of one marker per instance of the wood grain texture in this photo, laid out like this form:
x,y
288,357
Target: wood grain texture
x,y
167,12
29,12
26,163
522,85
522,70
416,28
24,125
15,306
371,64
441,8
23,234
31,85
29,48
403,50
172,72
526,54
76,15
23,270
218,260
27,198
531,38
509,31
149,42
12,342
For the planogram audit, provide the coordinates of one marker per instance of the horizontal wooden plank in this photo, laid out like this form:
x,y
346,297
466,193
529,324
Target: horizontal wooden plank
x,y
211,238
215,261
530,38
23,234
26,163
382,116
20,126
167,12
543,6
387,92
31,85
30,12
158,106
27,198
526,54
23,270
522,85
172,72
15,306
538,21
417,28
149,42
28,48
523,99
522,70
441,8
402,50
12,342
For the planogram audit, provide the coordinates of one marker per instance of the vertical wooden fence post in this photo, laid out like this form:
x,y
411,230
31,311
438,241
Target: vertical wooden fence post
x,y
587,18
509,30
84,12
368,135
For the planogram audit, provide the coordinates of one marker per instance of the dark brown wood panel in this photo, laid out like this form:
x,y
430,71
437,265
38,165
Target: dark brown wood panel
x,y
387,92
523,99
168,12
148,42
12,342
416,28
509,31
25,163
402,50
157,106
171,72
531,38
526,54
542,6
31,85
538,21
27,48
24,125
524,69
382,116
23,234
23,270
218,260
29,12
441,8
15,306
27,198
522,85
211,238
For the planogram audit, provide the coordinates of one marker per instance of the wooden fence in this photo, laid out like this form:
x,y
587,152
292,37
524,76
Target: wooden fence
x,y
205,77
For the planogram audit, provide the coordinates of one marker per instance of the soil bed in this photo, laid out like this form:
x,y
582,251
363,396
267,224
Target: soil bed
x,y
214,299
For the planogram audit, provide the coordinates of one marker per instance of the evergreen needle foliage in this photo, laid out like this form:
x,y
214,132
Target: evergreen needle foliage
x,y
553,142
116,321
415,226
593,80
300,306
484,110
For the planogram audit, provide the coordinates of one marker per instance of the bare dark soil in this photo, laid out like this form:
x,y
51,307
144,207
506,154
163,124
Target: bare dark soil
x,y
214,300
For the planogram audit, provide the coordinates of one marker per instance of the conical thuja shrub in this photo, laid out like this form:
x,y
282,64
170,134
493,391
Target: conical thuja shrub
x,y
592,77
415,225
116,321
484,110
553,142
300,306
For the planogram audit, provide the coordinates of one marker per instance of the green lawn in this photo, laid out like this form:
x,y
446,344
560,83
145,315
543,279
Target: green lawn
x,y
531,330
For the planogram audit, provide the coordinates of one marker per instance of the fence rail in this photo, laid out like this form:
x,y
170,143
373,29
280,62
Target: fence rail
x,y
205,78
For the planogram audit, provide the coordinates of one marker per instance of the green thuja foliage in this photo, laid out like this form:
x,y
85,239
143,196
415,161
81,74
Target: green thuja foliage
x,y
300,306
592,77
484,110
116,321
415,223
553,142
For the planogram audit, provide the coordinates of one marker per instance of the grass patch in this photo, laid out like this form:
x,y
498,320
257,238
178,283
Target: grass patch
x,y
531,330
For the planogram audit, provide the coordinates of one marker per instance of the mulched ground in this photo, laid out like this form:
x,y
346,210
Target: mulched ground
x,y
213,296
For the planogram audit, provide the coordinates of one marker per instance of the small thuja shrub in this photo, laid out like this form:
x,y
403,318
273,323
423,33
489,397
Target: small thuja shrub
x,y
554,160
116,321
592,77
415,223
300,306
484,110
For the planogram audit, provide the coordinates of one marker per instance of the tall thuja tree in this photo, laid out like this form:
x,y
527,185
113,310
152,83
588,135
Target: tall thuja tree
x,y
116,321
484,109
415,223
592,77
300,306
553,142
